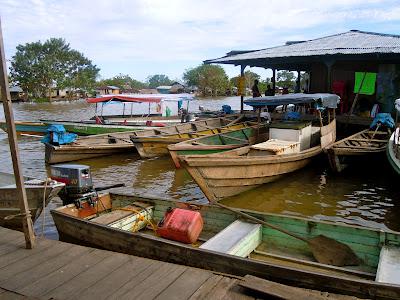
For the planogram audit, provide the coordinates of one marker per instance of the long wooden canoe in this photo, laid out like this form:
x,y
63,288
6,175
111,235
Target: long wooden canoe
x,y
154,142
99,145
364,143
232,172
217,143
38,195
393,150
238,247
27,128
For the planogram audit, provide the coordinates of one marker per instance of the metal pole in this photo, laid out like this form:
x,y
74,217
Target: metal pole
x,y
12,138
273,79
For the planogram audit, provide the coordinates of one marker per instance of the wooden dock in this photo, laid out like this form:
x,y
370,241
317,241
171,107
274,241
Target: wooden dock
x,y
59,270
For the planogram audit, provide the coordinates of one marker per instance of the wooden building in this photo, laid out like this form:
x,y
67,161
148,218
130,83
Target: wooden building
x,y
331,63
107,90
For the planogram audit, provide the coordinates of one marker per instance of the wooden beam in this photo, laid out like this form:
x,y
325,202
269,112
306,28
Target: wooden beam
x,y
12,138
242,67
273,79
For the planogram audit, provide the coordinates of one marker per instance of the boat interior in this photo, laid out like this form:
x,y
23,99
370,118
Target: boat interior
x,y
225,232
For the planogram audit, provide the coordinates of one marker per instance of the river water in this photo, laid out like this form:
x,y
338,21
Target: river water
x,y
365,194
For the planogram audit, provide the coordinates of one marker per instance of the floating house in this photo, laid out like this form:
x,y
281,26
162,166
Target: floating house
x,y
175,88
347,63
16,93
107,90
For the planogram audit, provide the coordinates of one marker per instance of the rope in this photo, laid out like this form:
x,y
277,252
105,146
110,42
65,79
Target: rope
x,y
44,206
140,218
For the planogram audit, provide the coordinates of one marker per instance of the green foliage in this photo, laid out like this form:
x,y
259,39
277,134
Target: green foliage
x,y
210,79
123,81
40,67
286,79
154,81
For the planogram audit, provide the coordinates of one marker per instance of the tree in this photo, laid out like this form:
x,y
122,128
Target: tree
x,y
157,80
209,79
40,67
286,79
123,81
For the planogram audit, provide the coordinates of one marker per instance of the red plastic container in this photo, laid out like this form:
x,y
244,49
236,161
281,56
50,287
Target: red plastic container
x,y
182,225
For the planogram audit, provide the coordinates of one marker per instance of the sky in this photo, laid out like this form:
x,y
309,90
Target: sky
x,y
147,37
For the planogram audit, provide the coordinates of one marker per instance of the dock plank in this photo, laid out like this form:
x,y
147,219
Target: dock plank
x,y
79,283
62,255
54,279
156,283
59,270
185,285
115,280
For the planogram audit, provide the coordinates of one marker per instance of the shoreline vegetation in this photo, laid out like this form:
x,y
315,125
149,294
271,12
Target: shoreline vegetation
x,y
52,71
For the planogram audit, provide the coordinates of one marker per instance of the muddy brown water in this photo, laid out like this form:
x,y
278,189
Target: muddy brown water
x,y
365,194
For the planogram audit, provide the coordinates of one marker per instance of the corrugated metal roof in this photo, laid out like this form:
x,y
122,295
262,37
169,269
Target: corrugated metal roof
x,y
348,43
15,89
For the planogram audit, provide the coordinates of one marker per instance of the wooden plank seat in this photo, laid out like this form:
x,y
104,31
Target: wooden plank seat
x,y
278,147
389,265
239,238
126,218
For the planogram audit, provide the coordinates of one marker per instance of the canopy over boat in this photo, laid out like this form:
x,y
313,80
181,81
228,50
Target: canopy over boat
x,y
140,98
325,100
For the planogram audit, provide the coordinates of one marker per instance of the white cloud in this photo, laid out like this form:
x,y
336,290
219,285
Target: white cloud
x,y
115,34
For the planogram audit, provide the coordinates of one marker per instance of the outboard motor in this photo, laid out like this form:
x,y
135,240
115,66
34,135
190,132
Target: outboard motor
x,y
78,184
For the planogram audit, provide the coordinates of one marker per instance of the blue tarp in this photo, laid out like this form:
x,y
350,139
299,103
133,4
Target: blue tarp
x,y
57,135
383,118
227,109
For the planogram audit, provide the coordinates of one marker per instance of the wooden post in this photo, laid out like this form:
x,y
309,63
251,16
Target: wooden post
x,y
298,89
273,79
12,138
242,67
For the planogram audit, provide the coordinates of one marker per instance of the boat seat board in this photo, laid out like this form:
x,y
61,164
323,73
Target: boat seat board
x,y
278,146
389,265
114,215
239,238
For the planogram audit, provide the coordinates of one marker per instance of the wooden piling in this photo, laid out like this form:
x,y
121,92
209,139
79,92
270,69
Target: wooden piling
x,y
12,138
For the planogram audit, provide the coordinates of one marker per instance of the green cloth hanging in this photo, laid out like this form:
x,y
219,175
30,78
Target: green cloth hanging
x,y
368,85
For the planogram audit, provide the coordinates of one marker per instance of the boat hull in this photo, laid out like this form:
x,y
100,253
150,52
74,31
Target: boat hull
x,y
9,204
90,233
219,178
363,144
27,128
218,143
65,153
236,171
391,154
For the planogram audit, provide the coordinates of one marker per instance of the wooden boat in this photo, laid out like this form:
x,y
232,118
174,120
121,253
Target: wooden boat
x,y
217,143
154,142
233,246
100,145
91,128
290,147
27,128
36,190
364,143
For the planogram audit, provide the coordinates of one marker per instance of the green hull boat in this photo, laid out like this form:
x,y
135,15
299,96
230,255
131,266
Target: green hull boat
x,y
218,142
236,246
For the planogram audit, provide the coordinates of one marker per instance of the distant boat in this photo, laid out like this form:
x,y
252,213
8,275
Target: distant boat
x,y
110,143
38,192
217,143
239,247
364,143
154,142
26,128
